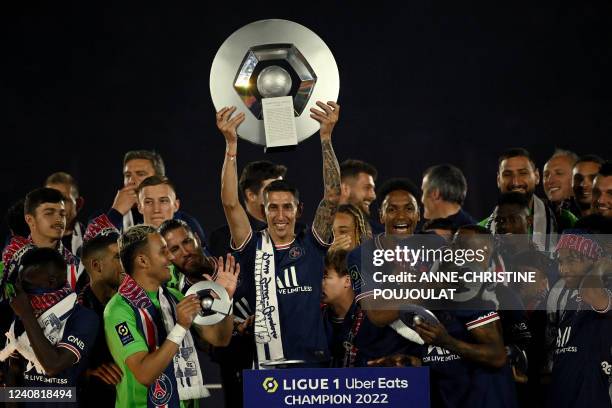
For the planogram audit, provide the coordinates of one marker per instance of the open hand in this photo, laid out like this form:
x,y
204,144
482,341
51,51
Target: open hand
x,y
227,274
228,125
327,117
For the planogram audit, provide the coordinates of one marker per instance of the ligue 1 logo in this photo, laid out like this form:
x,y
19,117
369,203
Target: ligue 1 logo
x,y
356,280
270,385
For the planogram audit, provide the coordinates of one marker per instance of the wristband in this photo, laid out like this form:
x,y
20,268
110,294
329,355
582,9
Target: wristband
x,y
231,156
177,334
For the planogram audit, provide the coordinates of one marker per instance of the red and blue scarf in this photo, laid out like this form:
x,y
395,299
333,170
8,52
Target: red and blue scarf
x,y
163,392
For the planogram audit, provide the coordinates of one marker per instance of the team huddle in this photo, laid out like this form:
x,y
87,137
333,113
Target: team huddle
x,y
103,306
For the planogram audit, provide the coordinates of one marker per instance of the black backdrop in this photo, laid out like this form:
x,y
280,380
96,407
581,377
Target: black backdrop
x,y
421,83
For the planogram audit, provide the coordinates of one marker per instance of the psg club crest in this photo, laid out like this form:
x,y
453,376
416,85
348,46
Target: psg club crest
x,y
296,252
161,391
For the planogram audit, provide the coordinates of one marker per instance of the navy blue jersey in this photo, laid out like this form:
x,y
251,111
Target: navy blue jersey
x,y
354,339
456,382
92,390
516,332
353,262
459,219
377,227
78,337
299,273
582,360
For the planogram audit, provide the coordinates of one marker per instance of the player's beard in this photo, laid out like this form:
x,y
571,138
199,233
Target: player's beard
x,y
365,208
528,194
583,205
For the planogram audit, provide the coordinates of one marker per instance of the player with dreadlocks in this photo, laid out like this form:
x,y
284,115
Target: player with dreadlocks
x,y
350,228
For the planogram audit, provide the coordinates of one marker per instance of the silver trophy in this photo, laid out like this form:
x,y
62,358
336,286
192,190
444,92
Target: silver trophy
x,y
215,302
274,71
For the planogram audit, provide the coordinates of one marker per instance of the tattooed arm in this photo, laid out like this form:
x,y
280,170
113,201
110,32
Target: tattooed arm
x,y
324,217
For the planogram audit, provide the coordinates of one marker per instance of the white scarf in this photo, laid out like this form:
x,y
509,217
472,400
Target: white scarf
x,y
268,340
52,321
544,235
77,239
406,332
187,370
128,220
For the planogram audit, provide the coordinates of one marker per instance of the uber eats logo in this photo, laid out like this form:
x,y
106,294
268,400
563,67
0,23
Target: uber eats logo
x,y
270,385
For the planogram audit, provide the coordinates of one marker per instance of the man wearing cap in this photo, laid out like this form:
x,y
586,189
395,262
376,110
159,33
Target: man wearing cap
x,y
580,322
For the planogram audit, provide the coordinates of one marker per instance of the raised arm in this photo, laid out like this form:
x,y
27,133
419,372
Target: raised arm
x,y
235,214
324,217
54,359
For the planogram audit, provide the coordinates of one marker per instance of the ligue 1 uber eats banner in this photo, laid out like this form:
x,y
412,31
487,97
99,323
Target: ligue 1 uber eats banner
x,y
337,387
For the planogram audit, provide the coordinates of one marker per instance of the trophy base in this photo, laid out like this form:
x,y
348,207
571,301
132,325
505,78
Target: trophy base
x,y
282,364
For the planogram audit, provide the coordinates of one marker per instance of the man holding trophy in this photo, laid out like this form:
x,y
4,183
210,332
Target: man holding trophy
x,y
282,268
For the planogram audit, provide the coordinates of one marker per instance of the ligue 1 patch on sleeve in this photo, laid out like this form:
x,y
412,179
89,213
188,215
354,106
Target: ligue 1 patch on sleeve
x,y
124,333
356,280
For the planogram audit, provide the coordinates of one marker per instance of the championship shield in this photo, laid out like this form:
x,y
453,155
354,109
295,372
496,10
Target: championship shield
x,y
274,71
215,301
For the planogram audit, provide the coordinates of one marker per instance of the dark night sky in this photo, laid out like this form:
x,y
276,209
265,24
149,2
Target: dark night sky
x,y
420,84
